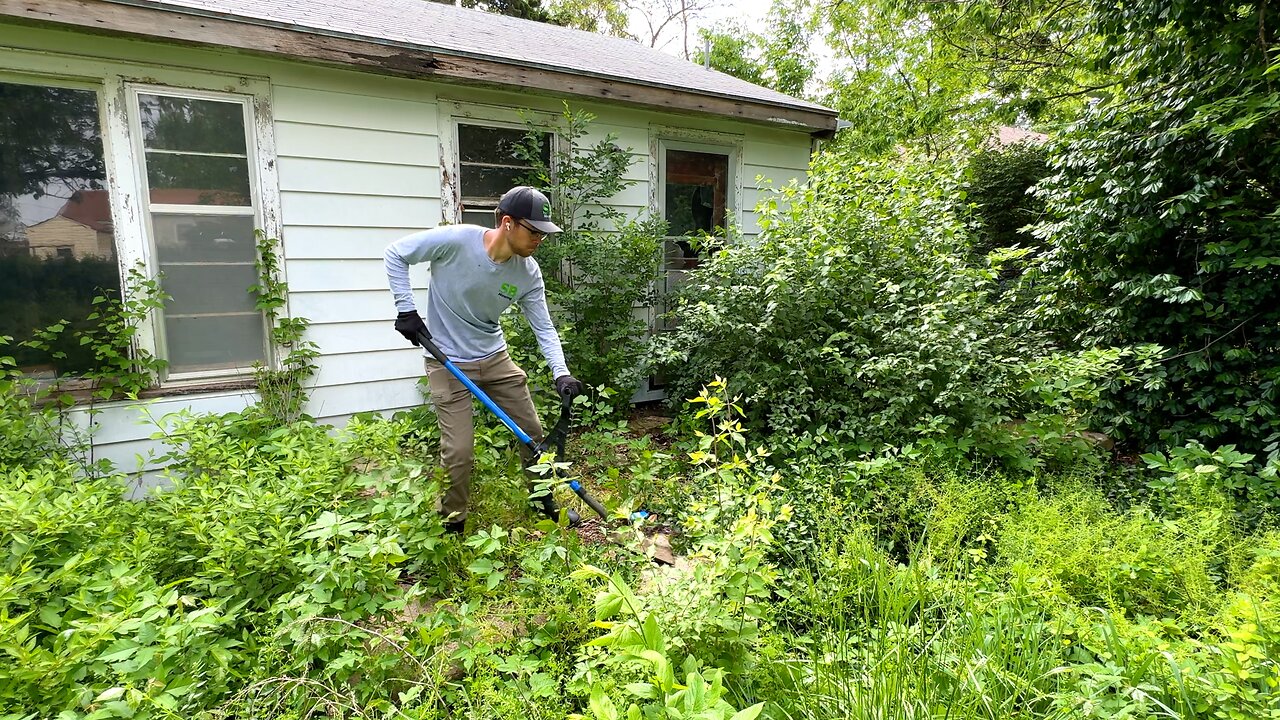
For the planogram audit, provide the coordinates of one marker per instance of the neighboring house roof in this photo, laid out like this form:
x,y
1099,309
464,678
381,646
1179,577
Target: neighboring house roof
x,y
90,208
1006,135
434,40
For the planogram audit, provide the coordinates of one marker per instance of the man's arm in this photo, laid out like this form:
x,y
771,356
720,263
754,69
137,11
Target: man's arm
x,y
421,246
534,306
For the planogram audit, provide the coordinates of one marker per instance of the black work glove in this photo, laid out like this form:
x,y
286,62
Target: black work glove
x,y
568,386
410,325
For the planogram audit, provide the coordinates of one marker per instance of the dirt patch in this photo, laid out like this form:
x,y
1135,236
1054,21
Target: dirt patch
x,y
648,419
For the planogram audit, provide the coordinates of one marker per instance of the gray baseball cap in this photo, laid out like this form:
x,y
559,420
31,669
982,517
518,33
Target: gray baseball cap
x,y
525,203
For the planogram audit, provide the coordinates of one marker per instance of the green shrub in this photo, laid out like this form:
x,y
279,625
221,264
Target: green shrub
x,y
1133,563
1162,224
1000,181
854,319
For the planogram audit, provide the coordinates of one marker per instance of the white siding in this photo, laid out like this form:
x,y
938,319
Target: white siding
x,y
359,164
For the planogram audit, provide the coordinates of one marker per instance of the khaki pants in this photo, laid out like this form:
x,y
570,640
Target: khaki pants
x,y
507,385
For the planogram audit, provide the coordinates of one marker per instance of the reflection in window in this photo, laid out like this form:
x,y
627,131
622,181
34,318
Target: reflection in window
x,y
196,151
202,222
491,162
57,248
697,196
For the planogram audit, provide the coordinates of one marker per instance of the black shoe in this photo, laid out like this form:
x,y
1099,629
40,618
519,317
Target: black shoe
x,y
455,527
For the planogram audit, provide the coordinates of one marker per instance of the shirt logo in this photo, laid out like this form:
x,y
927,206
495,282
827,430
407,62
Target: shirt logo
x,y
508,291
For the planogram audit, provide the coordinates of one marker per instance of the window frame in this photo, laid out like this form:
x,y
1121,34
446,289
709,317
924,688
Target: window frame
x,y
132,236
452,115
260,168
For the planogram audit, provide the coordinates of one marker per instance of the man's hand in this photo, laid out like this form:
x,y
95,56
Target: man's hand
x,y
568,386
410,325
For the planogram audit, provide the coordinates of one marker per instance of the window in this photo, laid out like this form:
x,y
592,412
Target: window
x,y
491,161
696,201
696,198
57,245
197,168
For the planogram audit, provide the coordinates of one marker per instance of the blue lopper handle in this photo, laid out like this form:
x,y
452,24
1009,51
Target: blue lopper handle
x,y
521,435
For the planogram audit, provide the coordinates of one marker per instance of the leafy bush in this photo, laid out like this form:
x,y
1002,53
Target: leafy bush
x,y
601,268
850,313
999,191
1162,224
854,318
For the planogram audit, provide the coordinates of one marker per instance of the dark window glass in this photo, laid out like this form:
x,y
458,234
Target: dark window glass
x,y
497,146
697,191
192,125
491,164
57,249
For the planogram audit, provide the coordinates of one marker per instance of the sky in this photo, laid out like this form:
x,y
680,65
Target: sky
x,y
752,13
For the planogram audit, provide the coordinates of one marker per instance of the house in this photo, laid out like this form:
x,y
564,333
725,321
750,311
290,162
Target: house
x,y
82,228
339,126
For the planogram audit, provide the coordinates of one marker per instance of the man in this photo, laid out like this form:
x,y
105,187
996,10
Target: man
x,y
476,273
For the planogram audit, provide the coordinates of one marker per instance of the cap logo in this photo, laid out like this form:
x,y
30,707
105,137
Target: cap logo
x,y
546,209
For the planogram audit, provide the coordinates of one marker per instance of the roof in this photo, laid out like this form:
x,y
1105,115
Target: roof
x,y
90,208
1009,135
434,40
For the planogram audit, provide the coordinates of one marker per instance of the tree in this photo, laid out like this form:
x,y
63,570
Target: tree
x,y
523,9
606,17
668,20
48,136
1162,219
781,58
938,73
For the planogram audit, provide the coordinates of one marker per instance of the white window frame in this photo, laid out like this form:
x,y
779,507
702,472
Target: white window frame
x,y
127,188
454,114
261,173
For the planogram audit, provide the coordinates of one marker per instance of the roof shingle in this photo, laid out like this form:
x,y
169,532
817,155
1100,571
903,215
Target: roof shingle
x,y
473,33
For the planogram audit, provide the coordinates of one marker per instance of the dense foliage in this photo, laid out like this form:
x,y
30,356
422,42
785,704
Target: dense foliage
x,y
600,269
1163,226
288,572
880,475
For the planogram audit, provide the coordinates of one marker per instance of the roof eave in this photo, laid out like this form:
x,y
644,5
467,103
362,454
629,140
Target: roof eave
x,y
248,35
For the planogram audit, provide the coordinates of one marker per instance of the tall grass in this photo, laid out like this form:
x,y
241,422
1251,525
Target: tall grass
x,y
914,641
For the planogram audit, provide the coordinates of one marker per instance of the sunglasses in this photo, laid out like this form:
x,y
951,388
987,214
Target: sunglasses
x,y
535,231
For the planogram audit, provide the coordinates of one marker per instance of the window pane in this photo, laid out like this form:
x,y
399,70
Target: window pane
x,y
497,146
218,342
483,218
197,180
207,266
57,249
198,289
206,263
204,238
489,183
697,191
192,125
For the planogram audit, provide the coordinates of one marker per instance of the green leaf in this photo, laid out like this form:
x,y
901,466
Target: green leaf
x,y
109,694
749,713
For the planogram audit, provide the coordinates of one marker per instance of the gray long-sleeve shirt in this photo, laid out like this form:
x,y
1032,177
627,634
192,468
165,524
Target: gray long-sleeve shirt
x,y
469,291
